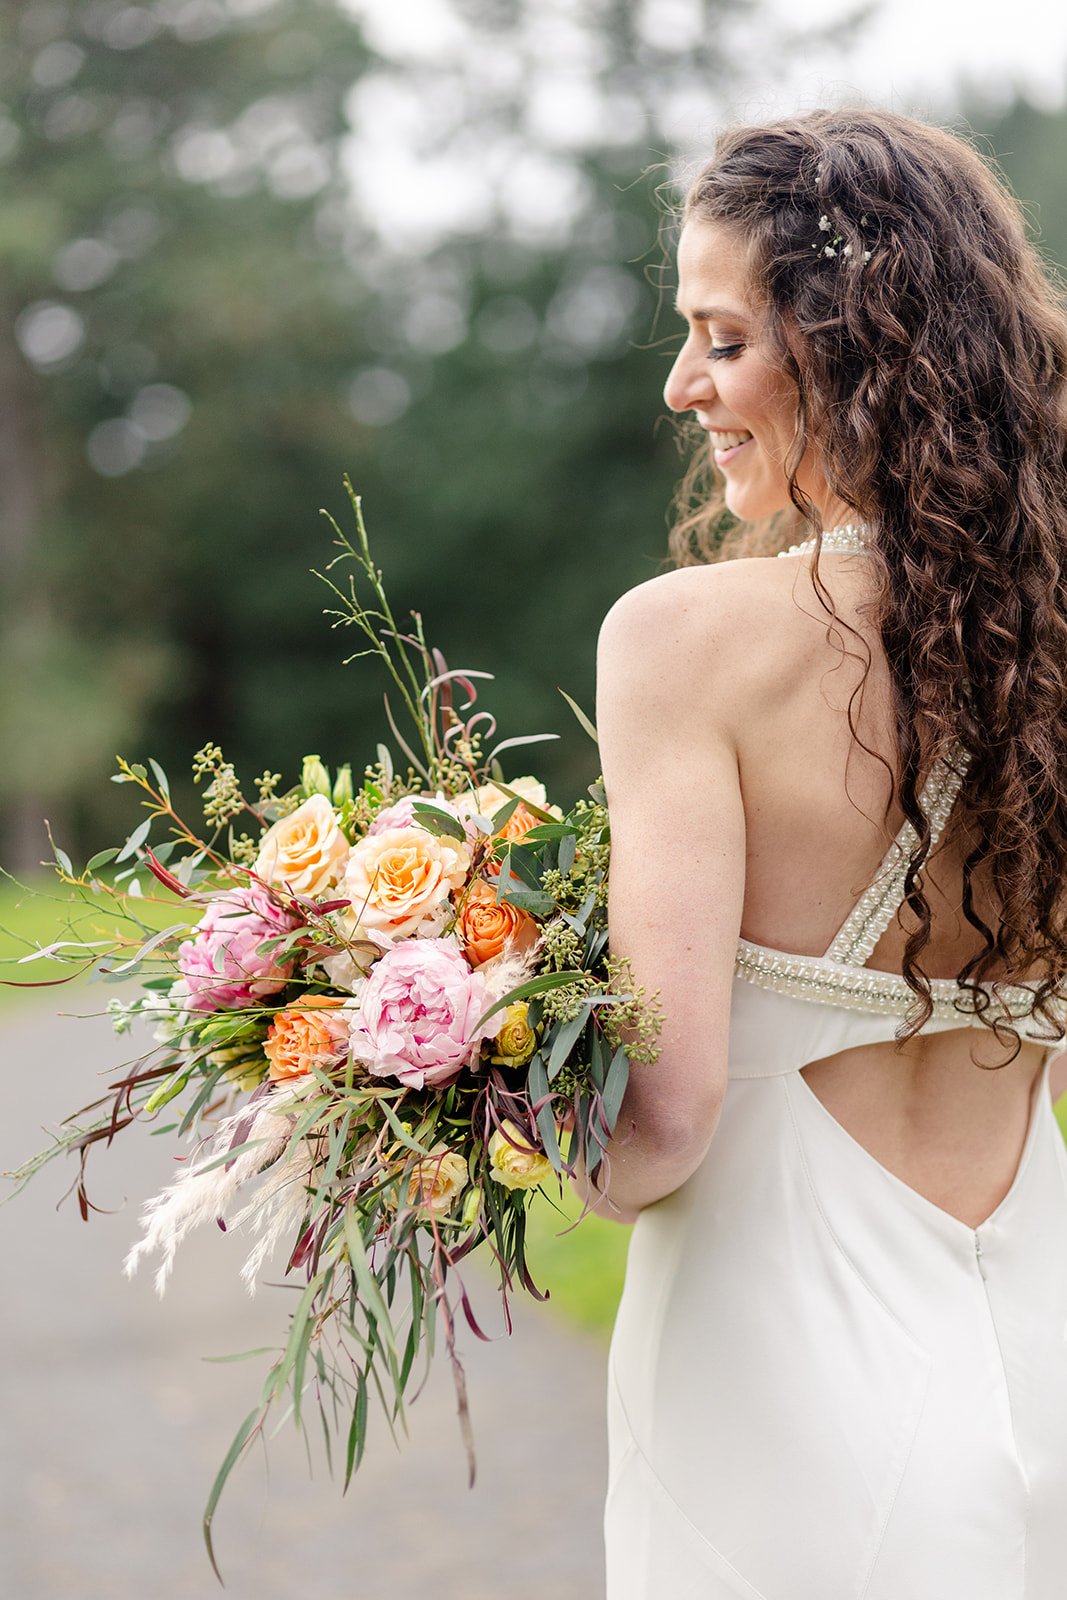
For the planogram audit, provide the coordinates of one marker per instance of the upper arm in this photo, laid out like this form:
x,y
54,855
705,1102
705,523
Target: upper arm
x,y
670,693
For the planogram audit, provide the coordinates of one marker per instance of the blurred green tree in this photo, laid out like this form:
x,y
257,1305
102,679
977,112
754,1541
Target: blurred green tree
x,y
1027,143
249,245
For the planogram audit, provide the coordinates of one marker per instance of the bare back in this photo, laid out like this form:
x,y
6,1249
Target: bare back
x,y
813,802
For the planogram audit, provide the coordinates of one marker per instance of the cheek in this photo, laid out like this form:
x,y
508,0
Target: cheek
x,y
753,394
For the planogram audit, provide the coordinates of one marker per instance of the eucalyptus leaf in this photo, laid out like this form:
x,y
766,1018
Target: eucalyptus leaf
x,y
434,820
523,991
582,718
564,1040
135,841
101,858
615,1086
357,1432
160,777
538,1089
241,1355
535,901
240,1439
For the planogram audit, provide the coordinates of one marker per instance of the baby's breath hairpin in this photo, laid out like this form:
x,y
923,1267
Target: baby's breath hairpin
x,y
838,244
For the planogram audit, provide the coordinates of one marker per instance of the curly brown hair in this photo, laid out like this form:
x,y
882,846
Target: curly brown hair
x,y
932,377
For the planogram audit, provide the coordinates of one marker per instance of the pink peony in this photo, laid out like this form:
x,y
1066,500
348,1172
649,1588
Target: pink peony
x,y
222,963
418,1014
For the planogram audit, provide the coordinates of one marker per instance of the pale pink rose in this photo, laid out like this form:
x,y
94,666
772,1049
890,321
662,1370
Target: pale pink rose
x,y
418,1014
398,879
305,851
402,815
223,964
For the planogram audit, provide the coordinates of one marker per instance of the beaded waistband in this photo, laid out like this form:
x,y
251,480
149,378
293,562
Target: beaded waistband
x,y
859,988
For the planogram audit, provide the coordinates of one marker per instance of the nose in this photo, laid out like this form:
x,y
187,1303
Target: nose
x,y
689,384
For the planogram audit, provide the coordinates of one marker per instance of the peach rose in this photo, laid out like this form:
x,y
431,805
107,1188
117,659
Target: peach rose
x,y
306,1036
488,800
436,1181
400,879
514,1161
305,851
486,925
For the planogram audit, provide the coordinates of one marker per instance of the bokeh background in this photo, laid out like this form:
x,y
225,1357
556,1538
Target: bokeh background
x,y
246,247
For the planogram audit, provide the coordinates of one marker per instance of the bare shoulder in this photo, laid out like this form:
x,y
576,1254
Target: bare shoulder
x,y
697,638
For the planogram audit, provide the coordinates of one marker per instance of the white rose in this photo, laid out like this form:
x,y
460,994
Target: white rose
x,y
487,801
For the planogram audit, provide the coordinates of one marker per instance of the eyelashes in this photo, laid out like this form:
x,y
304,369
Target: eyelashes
x,y
724,352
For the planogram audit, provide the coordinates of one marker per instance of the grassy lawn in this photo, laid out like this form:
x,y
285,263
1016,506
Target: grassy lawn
x,y
41,909
584,1269
33,912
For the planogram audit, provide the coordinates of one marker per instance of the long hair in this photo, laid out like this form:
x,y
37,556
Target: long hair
x,y
929,351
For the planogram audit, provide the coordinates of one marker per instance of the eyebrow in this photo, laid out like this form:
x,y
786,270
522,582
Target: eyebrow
x,y
712,313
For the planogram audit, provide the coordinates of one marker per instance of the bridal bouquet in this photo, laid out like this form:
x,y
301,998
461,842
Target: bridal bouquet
x,y
378,1014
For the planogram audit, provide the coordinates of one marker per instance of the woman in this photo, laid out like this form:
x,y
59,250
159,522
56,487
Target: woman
x,y
839,1368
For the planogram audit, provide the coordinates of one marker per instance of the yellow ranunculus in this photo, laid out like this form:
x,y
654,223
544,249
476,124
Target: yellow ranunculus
x,y
516,1041
516,1168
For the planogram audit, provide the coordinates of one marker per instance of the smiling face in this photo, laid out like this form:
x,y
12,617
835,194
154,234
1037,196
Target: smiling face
x,y
729,376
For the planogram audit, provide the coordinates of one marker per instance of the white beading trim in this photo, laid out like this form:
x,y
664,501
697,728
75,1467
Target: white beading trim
x,y
858,988
861,930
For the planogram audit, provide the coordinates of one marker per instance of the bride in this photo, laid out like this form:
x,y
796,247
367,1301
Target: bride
x,y
839,1369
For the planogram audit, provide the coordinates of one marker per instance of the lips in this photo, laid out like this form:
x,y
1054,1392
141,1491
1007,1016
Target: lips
x,y
727,443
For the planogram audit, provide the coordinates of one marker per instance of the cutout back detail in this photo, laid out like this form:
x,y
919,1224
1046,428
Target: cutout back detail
x,y
841,977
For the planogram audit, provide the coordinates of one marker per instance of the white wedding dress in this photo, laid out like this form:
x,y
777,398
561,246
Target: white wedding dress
x,y
821,1385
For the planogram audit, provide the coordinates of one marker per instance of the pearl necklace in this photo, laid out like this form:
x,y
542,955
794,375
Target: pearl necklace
x,y
854,537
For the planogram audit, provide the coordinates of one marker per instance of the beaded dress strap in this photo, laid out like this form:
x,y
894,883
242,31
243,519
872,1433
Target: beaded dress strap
x,y
854,942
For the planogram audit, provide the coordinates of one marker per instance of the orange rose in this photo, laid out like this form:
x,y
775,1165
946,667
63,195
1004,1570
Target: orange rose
x,y
488,800
486,924
520,822
298,1040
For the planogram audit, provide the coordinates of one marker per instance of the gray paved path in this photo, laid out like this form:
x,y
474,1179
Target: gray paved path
x,y
113,1425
